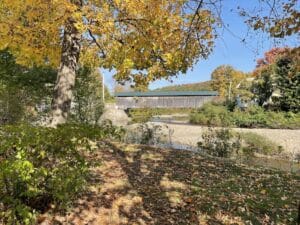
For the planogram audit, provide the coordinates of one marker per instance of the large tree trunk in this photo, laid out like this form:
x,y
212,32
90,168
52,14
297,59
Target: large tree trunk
x,y
63,91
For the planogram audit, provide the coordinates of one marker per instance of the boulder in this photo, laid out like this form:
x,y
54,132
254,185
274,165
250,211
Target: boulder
x,y
148,133
117,116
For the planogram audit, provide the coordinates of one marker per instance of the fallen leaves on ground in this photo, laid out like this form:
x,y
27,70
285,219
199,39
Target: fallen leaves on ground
x,y
140,185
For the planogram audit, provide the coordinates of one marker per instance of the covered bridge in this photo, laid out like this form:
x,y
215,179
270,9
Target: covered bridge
x,y
170,99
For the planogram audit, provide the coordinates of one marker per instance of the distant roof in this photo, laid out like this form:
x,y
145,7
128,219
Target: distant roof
x,y
166,93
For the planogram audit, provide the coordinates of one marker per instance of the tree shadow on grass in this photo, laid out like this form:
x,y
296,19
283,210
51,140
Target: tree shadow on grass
x,y
144,185
136,186
163,187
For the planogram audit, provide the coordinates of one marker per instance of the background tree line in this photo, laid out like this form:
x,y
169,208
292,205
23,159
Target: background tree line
x,y
275,82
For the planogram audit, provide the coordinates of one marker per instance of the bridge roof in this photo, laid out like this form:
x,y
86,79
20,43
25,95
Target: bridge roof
x,y
166,93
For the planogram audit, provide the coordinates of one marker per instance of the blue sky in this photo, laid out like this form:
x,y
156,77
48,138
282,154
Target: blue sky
x,y
229,49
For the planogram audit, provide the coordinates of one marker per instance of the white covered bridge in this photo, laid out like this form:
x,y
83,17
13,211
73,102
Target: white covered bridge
x,y
171,99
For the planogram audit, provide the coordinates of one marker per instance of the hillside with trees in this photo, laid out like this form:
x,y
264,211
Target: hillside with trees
x,y
200,86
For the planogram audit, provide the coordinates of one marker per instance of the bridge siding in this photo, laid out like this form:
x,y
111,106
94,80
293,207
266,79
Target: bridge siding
x,y
163,101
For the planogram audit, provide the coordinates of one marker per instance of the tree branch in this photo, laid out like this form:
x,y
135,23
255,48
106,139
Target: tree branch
x,y
96,42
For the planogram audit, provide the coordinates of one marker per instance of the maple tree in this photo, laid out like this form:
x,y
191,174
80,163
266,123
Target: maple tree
x,y
271,56
266,63
226,80
141,40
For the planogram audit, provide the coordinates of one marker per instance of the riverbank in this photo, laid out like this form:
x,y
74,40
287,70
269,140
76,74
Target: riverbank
x,y
187,134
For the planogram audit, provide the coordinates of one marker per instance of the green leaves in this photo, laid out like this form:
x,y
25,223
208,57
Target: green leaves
x,y
219,142
288,82
22,89
218,115
88,99
41,166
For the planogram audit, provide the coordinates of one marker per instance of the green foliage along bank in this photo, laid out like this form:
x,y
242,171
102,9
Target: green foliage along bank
x,y
145,114
223,142
216,114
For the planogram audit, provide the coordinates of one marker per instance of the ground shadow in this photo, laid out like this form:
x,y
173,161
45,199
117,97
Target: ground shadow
x,y
140,185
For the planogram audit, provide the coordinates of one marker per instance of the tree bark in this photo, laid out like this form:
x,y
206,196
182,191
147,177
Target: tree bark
x,y
63,90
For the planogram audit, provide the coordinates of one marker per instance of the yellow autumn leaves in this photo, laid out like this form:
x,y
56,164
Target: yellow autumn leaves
x,y
142,40
226,80
31,29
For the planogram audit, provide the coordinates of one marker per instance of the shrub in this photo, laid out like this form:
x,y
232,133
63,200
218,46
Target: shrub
x,y
25,93
219,142
141,115
12,110
147,133
256,143
277,120
254,116
225,143
88,99
198,118
43,166
211,114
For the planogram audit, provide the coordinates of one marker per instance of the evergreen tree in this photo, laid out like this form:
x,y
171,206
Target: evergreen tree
x,y
288,82
263,86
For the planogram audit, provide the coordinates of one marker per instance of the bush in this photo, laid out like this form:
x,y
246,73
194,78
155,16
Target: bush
x,y
212,114
219,143
256,143
252,117
225,143
25,93
147,133
43,166
11,108
88,100
140,115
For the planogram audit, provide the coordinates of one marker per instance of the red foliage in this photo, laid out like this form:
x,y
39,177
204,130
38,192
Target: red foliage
x,y
271,56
